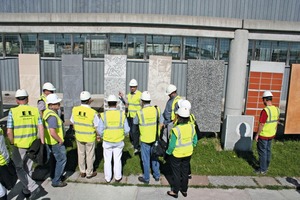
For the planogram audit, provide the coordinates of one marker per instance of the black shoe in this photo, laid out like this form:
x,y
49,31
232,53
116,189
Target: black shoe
x,y
35,193
141,179
91,176
172,194
298,187
156,179
60,184
190,176
136,151
118,180
183,193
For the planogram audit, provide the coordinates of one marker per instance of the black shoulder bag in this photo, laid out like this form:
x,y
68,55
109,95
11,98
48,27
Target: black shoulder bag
x,y
160,146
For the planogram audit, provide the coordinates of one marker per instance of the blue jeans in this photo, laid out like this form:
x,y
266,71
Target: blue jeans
x,y
146,158
264,153
59,152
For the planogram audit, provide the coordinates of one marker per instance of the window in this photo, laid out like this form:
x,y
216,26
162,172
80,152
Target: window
x,y
1,46
263,51
46,45
62,44
208,48
224,49
97,45
294,53
191,48
117,44
12,45
80,43
29,43
135,46
279,51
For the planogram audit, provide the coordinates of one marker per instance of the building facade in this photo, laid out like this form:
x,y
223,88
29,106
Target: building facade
x,y
189,29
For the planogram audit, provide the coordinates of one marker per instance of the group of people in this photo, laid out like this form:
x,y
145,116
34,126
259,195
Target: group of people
x,y
143,121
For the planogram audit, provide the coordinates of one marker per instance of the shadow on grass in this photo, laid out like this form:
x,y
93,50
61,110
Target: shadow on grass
x,y
249,157
294,182
98,155
125,156
166,170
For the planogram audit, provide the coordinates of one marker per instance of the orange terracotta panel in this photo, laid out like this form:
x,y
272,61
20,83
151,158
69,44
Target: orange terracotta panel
x,y
277,81
266,81
266,75
255,74
265,87
252,99
275,87
254,80
253,85
276,94
251,112
277,75
251,105
253,93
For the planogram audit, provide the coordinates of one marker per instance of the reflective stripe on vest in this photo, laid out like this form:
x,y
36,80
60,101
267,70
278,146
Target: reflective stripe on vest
x,y
2,159
113,125
173,107
25,119
148,123
84,123
184,143
59,130
133,103
269,129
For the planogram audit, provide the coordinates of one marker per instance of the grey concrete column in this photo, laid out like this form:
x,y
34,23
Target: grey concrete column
x,y
236,77
1,102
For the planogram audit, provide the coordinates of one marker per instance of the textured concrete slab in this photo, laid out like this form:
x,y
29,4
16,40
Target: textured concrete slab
x,y
132,179
266,181
199,180
217,194
159,78
237,132
264,194
205,84
74,177
72,76
164,181
29,73
231,181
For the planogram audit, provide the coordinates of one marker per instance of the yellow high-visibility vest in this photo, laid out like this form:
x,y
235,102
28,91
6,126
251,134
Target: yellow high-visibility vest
x,y
43,98
133,103
184,143
113,125
173,107
148,123
25,119
84,123
59,130
269,129
2,159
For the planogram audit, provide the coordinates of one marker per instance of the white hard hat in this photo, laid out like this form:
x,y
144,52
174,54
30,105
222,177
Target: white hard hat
x,y
21,93
183,112
184,104
133,83
53,99
112,98
85,95
146,96
171,88
49,86
267,93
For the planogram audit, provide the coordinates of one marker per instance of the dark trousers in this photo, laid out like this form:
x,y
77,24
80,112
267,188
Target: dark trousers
x,y
134,136
180,168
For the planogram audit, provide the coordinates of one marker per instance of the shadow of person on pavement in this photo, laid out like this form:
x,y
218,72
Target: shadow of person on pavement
x,y
294,182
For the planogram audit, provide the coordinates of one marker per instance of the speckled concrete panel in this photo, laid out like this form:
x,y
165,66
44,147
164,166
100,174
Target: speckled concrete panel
x,y
114,76
159,79
29,73
205,84
237,133
266,181
72,75
231,181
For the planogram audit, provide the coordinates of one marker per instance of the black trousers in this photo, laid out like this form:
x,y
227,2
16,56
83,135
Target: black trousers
x,y
180,169
134,135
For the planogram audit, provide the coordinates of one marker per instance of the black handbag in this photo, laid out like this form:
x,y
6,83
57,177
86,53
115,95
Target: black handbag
x,y
8,175
159,147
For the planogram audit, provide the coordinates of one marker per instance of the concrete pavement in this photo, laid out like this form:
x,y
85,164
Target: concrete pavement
x,y
201,187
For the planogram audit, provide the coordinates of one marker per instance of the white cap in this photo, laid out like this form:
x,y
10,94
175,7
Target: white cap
x,y
267,93
133,83
112,98
146,96
184,104
53,99
85,95
171,88
49,86
183,112
21,93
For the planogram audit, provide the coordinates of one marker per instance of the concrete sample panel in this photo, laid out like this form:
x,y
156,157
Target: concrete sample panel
x,y
263,76
159,79
29,73
292,125
205,83
237,133
114,76
72,76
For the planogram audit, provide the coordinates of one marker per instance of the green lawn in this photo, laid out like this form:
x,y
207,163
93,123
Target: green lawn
x,y
210,159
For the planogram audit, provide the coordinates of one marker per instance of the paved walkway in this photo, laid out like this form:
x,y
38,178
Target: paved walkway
x,y
201,187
